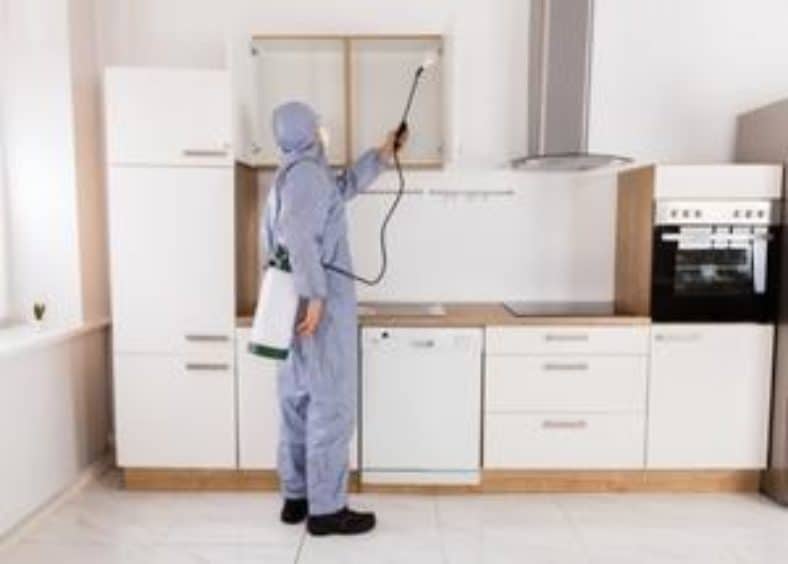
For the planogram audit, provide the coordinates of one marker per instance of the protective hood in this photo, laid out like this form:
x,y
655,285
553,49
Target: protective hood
x,y
295,127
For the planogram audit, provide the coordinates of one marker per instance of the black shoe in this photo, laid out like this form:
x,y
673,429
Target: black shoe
x,y
294,511
343,522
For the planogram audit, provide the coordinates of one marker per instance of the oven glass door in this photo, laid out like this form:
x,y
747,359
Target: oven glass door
x,y
720,273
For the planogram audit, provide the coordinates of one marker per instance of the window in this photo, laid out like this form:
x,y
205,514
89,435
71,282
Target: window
x,y
4,262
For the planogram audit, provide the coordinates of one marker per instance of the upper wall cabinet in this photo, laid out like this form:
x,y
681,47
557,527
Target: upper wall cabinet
x,y
358,85
308,70
382,71
168,117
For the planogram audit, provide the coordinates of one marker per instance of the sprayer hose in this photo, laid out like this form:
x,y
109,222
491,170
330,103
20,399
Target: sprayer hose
x,y
383,250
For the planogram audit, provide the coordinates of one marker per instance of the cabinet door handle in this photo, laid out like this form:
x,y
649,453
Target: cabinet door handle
x,y
580,337
677,337
555,424
207,367
205,152
565,366
207,338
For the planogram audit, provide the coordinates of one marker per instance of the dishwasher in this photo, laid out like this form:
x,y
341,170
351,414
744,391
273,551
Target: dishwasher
x,y
421,406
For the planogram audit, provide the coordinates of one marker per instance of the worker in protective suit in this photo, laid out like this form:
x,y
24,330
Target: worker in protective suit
x,y
305,214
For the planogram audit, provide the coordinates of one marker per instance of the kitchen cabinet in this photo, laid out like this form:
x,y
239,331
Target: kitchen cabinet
x,y
171,232
709,396
258,410
172,117
382,70
311,70
566,441
172,258
565,397
358,84
175,411
421,405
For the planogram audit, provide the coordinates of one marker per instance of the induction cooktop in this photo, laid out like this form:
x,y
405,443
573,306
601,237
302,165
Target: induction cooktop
x,y
560,309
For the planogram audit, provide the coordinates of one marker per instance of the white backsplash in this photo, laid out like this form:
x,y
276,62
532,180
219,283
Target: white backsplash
x,y
490,236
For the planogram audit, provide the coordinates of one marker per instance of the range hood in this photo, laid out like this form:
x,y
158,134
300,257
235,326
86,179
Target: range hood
x,y
559,78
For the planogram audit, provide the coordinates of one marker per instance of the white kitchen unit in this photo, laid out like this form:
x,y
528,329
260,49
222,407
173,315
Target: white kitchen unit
x,y
421,405
258,410
709,396
168,117
174,411
171,209
172,258
565,397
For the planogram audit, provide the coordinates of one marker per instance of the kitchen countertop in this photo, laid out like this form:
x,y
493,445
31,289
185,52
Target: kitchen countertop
x,y
475,315
486,314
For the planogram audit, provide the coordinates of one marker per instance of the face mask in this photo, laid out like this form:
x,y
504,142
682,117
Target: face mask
x,y
324,136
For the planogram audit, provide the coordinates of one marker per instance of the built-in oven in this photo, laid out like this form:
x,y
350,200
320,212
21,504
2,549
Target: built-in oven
x,y
715,261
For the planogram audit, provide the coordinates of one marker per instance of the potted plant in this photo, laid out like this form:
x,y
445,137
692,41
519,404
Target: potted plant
x,y
39,309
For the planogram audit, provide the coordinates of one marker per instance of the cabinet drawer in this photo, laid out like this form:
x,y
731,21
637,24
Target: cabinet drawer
x,y
567,340
174,411
564,441
565,383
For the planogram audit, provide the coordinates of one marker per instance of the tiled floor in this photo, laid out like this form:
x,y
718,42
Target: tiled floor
x,y
106,525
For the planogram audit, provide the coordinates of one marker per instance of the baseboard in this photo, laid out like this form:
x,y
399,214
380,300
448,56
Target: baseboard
x,y
492,481
144,479
655,481
89,475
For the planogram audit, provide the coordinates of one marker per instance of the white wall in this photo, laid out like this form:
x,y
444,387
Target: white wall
x,y
89,153
55,202
54,420
670,76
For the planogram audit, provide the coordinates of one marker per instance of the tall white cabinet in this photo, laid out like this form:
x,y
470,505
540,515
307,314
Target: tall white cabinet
x,y
171,206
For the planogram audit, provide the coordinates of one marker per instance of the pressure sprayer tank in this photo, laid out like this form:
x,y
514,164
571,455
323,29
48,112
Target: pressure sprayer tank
x,y
275,318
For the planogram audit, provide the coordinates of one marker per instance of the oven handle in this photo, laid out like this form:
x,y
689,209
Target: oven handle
x,y
759,263
755,238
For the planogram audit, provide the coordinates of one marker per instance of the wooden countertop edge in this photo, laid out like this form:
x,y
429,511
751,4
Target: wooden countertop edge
x,y
484,315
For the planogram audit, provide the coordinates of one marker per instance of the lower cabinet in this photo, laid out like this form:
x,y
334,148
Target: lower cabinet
x,y
258,410
175,411
709,396
568,397
578,441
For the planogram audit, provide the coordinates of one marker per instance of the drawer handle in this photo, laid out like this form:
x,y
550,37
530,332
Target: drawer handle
x,y
207,338
205,152
207,367
423,344
565,367
678,338
565,338
552,424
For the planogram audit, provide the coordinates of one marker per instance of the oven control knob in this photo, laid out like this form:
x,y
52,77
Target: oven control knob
x,y
736,214
748,214
697,214
761,214
685,213
674,213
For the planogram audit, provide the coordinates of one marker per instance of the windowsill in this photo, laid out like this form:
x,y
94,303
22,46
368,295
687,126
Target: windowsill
x,y
23,337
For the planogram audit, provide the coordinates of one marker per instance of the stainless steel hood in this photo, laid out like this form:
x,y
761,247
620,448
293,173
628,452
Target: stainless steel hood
x,y
559,78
